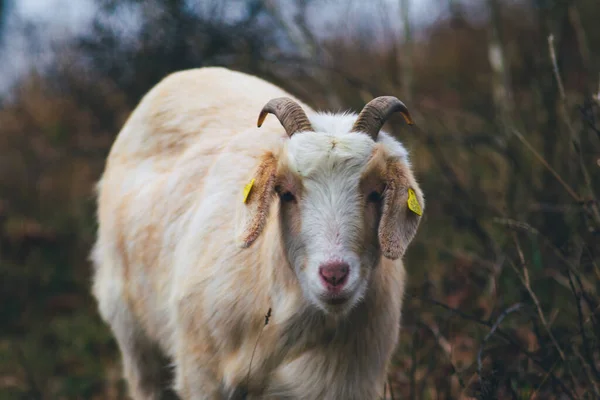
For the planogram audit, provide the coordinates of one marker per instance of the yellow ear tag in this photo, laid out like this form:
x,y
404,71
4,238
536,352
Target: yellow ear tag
x,y
247,189
413,203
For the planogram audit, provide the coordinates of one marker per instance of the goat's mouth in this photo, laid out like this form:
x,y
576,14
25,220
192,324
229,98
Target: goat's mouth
x,y
335,299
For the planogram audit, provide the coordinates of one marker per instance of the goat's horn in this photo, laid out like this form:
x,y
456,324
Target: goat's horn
x,y
376,112
289,113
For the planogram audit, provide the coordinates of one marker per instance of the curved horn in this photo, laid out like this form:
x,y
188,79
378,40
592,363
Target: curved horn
x,y
289,113
376,112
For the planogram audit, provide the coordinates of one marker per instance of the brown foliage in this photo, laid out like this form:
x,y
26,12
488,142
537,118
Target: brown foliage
x,y
503,298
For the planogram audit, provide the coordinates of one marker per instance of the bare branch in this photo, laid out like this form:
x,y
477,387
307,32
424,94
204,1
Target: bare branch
x,y
504,314
526,282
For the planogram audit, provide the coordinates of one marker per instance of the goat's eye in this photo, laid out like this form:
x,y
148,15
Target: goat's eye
x,y
287,197
374,197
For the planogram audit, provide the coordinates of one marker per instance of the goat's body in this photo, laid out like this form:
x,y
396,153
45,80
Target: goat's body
x,y
170,277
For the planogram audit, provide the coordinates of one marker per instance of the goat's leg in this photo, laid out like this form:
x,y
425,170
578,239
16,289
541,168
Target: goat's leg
x,y
195,374
143,365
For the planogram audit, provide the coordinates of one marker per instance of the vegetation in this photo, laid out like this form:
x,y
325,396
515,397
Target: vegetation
x,y
504,294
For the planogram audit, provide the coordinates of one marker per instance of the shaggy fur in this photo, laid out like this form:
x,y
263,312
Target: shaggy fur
x,y
185,268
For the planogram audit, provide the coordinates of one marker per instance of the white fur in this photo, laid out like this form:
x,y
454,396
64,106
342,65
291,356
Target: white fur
x,y
330,162
341,124
170,277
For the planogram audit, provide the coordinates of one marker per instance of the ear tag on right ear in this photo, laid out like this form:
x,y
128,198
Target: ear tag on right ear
x,y
247,189
413,203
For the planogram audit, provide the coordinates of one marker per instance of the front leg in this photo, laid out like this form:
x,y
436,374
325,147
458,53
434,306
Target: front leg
x,y
196,373
194,379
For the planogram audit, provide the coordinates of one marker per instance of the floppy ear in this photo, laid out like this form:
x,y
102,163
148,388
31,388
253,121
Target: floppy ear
x,y
398,224
254,209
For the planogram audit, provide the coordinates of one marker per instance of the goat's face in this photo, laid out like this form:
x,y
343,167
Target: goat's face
x,y
342,203
330,205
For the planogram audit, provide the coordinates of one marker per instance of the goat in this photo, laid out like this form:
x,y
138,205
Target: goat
x,y
206,223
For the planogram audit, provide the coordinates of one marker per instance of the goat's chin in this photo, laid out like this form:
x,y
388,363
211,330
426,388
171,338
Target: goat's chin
x,y
339,306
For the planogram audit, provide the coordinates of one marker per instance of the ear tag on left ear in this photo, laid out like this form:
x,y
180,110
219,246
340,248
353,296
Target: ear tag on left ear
x,y
247,189
413,203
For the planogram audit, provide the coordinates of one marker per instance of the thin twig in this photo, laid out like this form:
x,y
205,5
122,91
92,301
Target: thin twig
x,y
574,137
541,159
544,380
528,228
586,344
588,117
561,88
441,340
445,345
526,282
495,326
502,334
587,369
267,316
570,266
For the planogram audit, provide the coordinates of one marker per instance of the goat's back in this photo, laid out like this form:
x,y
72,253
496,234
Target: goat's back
x,y
192,138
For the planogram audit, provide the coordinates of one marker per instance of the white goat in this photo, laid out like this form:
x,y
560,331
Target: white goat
x,y
187,264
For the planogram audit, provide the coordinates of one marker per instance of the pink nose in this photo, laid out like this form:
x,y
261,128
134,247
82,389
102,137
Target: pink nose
x,y
334,273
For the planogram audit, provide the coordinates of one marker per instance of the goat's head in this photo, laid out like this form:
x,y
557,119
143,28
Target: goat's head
x,y
342,191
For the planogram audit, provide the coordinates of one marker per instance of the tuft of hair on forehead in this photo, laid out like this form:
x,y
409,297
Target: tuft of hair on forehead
x,y
342,123
332,143
335,124
310,152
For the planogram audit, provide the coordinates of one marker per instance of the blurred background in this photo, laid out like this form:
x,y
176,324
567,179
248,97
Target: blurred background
x,y
504,278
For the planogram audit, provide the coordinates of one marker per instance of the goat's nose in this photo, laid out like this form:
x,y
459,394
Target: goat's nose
x,y
334,273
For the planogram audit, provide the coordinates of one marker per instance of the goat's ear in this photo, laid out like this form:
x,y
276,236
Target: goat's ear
x,y
400,215
255,201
